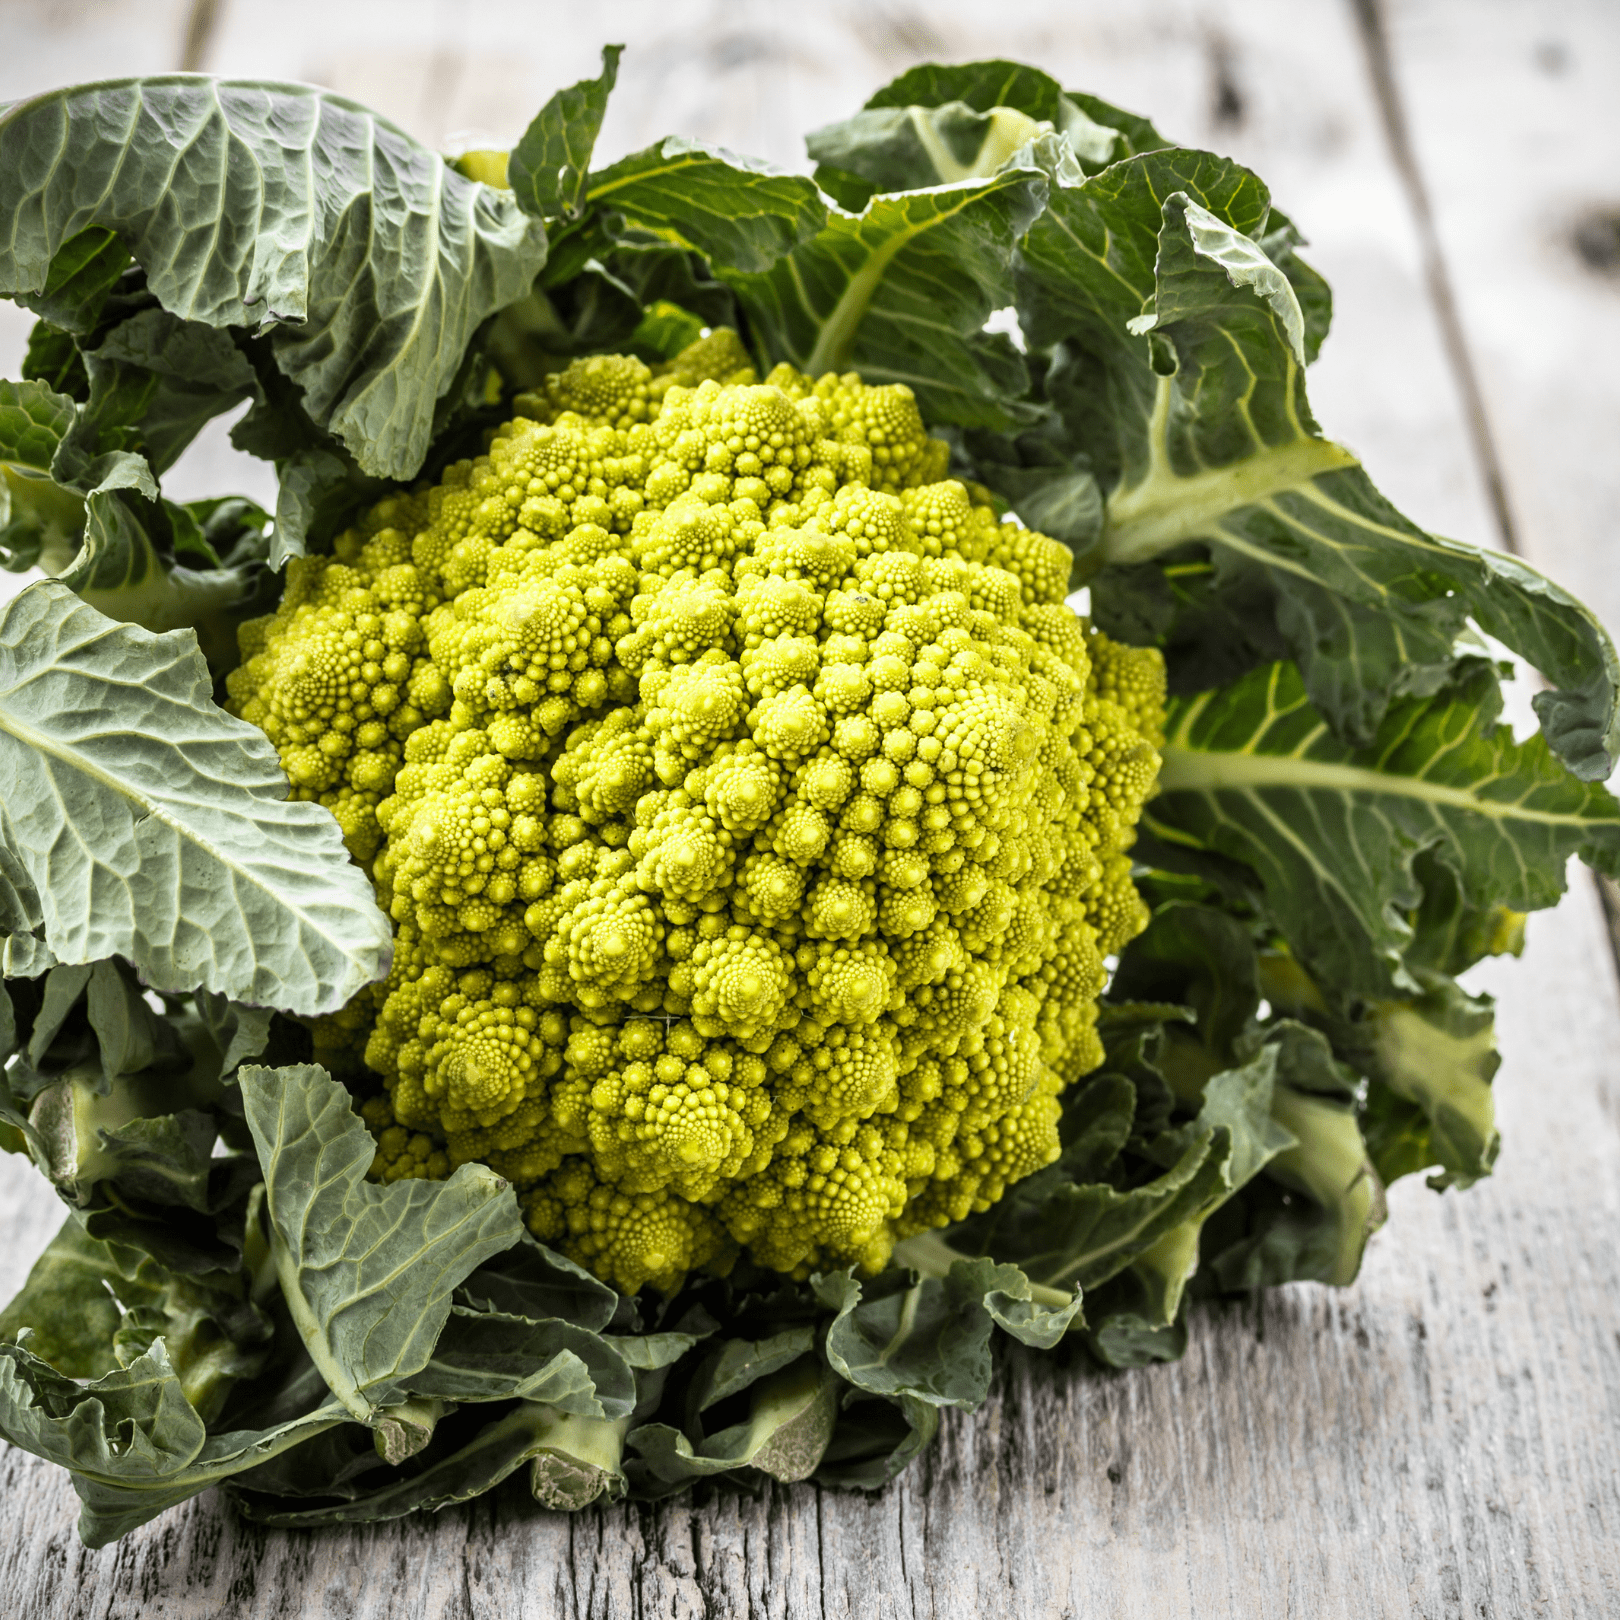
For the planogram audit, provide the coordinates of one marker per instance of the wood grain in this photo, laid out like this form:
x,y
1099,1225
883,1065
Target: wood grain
x,y
1438,1440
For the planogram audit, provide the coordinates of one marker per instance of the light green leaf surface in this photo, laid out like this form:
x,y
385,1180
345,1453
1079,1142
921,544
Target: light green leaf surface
x,y
34,420
740,212
790,1421
150,824
911,148
1329,1164
488,1356
734,1364
168,377
1182,379
1096,133
1437,1051
366,1270
1255,774
897,1334
133,1424
901,292
117,1501
70,1304
368,258
548,166
575,1461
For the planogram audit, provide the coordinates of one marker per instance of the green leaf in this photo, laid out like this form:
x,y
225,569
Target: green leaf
x,y
1255,774
367,1271
116,1501
317,492
593,312
1066,1234
1080,1235
70,1304
740,213
734,1364
94,1306
1042,482
1311,291
574,1460
1096,1124
1094,130
130,1036
1438,1051
149,824
876,1438
981,85
34,420
178,375
901,292
82,273
927,1337
791,1415
237,1033
1330,1165
910,148
1009,1297
531,1280
93,518
133,1424
270,204
1124,1327
489,1356
656,272
548,167
53,358
1180,350
1198,957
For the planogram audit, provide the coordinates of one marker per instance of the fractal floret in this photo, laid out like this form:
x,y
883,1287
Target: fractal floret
x,y
751,810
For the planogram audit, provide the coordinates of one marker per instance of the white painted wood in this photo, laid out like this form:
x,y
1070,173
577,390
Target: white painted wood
x,y
1437,1440
1508,187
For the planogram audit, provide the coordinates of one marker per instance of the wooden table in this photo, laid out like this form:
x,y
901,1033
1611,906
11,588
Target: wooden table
x,y
1440,1439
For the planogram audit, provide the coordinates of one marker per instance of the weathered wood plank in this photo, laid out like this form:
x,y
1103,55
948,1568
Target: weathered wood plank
x,y
1522,202
1437,1440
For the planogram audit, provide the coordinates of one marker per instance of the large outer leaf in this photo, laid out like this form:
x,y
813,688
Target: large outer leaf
x,y
1255,774
901,292
254,203
366,1271
1181,376
150,824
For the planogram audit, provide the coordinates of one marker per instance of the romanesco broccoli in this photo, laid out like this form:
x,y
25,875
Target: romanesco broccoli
x,y
750,808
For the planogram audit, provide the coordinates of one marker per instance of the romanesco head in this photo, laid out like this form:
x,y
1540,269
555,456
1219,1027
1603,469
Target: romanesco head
x,y
751,810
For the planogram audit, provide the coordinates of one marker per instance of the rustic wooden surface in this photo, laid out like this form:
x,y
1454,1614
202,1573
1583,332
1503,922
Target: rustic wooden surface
x,y
1439,1440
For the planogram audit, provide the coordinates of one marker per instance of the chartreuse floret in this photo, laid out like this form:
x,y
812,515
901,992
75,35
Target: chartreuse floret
x,y
751,810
